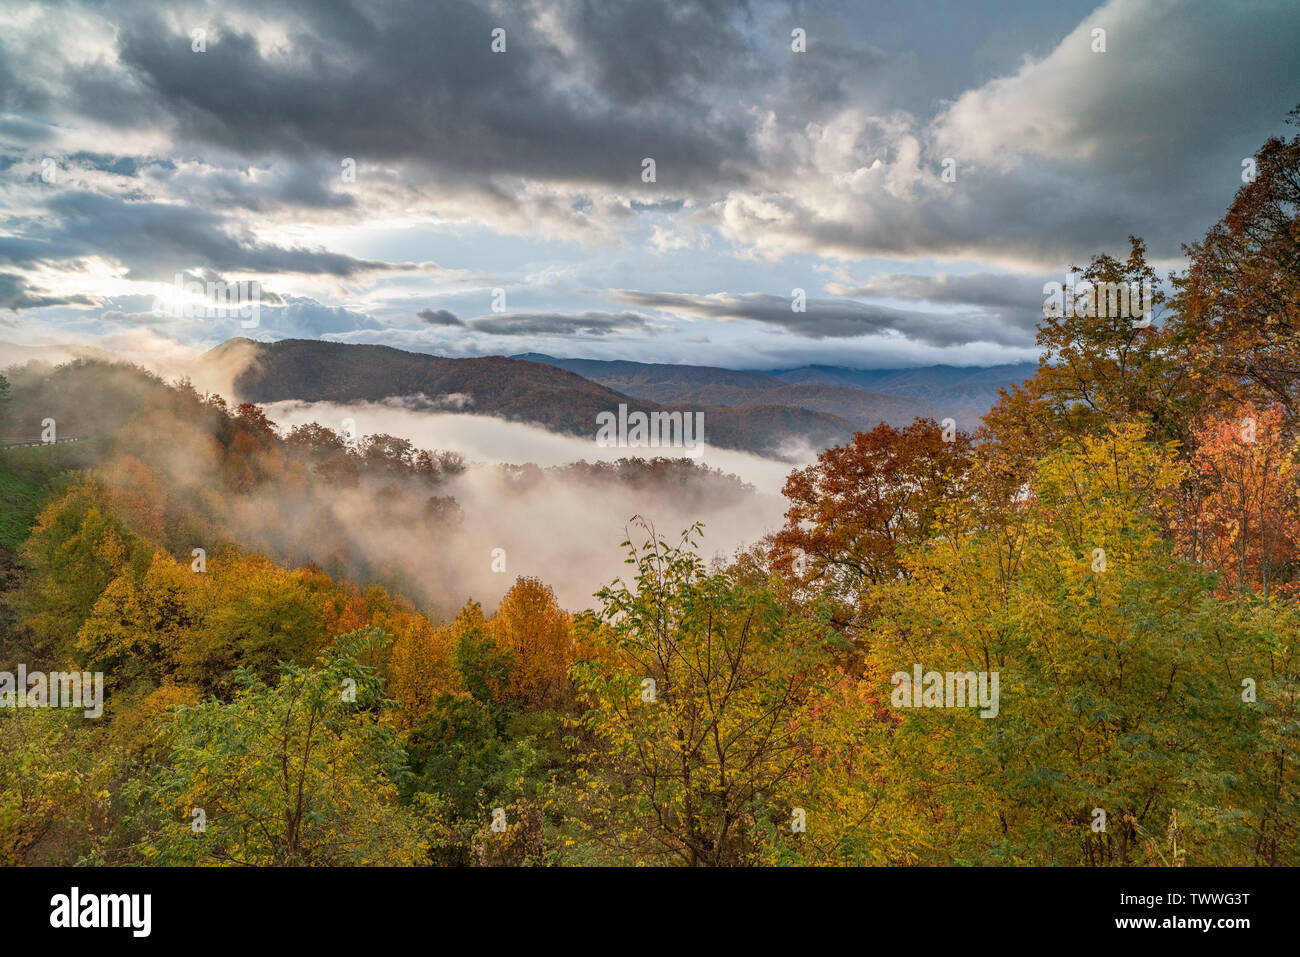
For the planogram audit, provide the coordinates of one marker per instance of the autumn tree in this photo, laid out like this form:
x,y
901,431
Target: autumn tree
x,y
253,419
76,548
387,453
327,451
422,664
1266,788
142,623
258,616
531,629
1118,681
54,783
1105,358
1239,302
694,698
483,666
853,512
298,772
1244,523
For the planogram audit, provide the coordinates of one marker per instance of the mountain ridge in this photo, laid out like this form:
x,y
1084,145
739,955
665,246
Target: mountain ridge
x,y
895,396
513,389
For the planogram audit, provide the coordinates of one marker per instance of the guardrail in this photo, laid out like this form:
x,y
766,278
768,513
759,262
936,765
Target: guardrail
x,y
38,442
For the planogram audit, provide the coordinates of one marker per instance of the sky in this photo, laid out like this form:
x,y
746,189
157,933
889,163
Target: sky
x,y
471,179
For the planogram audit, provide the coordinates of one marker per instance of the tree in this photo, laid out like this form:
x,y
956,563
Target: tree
x,y
315,441
141,623
465,762
483,666
299,772
53,785
253,418
1246,522
422,664
1266,795
259,615
854,511
695,690
1239,302
1103,364
387,453
533,632
76,548
329,454
1118,681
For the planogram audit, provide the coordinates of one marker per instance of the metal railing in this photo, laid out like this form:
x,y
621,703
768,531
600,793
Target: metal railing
x,y
19,444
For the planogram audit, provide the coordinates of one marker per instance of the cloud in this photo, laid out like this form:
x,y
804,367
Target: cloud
x,y
416,83
439,317
228,162
16,293
1015,299
306,318
1062,159
419,402
830,318
783,153
157,240
558,526
274,187
555,324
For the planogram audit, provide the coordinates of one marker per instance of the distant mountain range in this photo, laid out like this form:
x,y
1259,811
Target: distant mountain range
x,y
863,397
769,413
974,389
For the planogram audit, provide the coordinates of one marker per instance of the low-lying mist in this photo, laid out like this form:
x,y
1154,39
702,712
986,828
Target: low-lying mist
x,y
560,526
189,472
487,440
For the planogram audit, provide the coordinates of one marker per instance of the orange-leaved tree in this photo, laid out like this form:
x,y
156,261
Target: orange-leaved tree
x,y
1246,524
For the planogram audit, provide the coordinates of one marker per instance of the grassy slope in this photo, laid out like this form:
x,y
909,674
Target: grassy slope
x,y
25,477
22,492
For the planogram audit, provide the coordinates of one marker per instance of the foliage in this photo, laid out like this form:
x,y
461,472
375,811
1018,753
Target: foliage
x,y
694,690
294,773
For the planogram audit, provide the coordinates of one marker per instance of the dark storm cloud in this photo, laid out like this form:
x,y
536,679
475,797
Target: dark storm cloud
x,y
157,240
297,186
640,51
1060,155
439,317
555,324
176,160
1016,300
417,81
831,318
15,294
